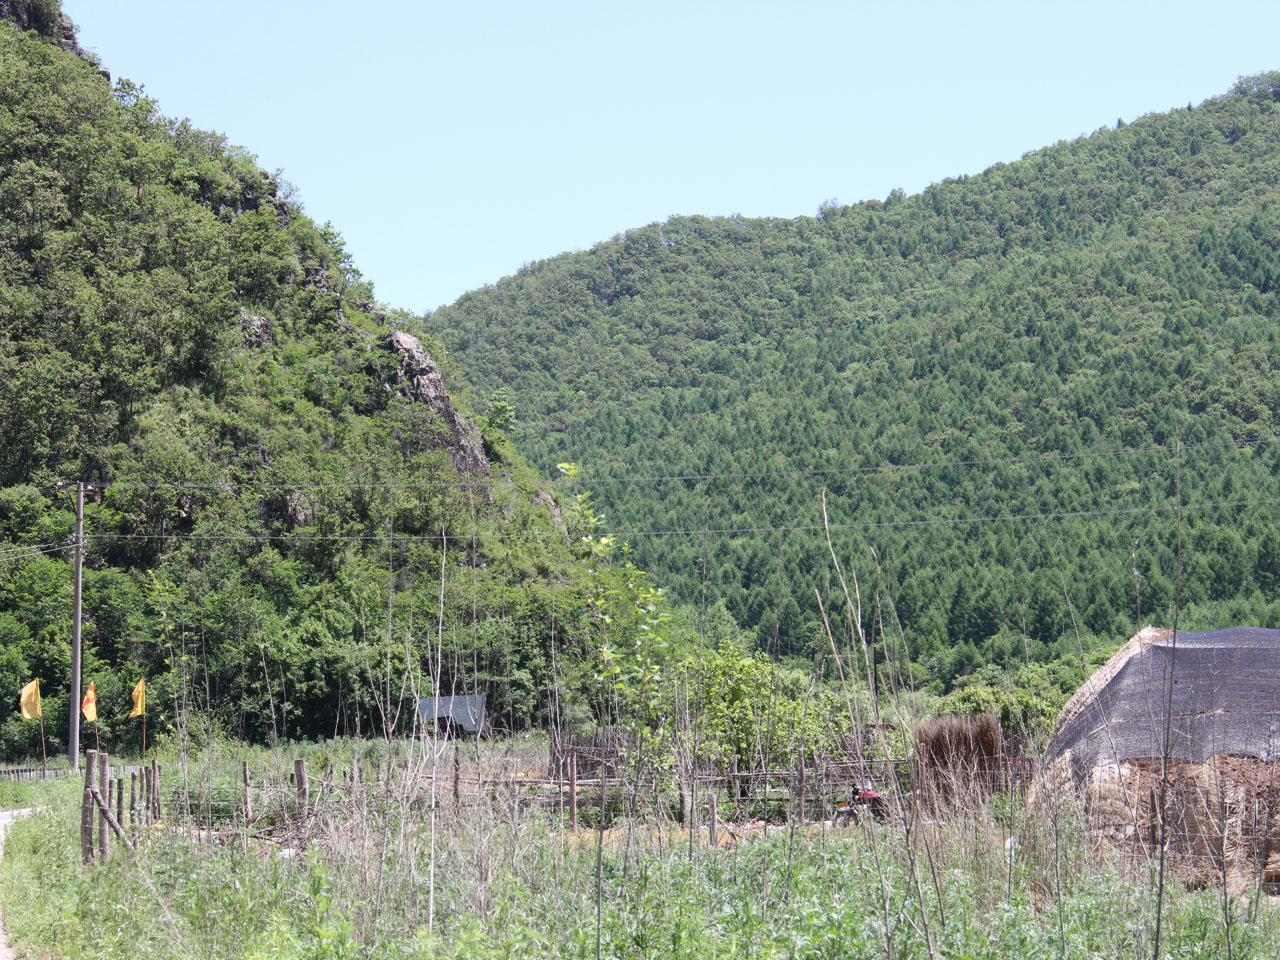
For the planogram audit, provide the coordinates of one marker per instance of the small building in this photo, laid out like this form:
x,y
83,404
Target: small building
x,y
464,712
1210,703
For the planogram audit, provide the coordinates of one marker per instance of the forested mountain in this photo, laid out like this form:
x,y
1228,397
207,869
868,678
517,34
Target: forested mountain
x,y
279,482
1034,342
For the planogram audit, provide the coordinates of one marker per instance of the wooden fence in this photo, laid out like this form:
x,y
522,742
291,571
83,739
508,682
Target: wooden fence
x,y
103,789
287,807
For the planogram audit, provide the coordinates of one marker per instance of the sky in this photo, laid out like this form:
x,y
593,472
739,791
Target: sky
x,y
452,143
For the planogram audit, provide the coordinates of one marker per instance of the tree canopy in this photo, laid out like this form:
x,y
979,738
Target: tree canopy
x,y
1031,343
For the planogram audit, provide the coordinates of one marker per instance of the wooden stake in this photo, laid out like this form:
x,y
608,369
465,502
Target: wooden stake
x,y
133,799
300,773
248,804
713,829
105,810
104,788
120,799
86,809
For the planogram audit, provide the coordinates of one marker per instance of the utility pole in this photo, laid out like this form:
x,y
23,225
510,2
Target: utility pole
x,y
74,744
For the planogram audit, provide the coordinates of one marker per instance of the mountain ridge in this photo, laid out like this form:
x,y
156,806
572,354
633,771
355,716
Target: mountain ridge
x,y
1113,291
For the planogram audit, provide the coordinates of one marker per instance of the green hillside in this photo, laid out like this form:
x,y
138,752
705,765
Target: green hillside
x,y
273,464
1097,302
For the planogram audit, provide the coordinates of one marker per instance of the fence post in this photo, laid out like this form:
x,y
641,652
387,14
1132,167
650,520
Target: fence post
x,y
86,807
120,799
104,788
304,793
573,790
133,798
157,772
713,831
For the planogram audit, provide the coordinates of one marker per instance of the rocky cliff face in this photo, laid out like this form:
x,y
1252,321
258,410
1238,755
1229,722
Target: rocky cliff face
x,y
46,18
418,378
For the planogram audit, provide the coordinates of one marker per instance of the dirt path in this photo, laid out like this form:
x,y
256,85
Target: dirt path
x,y
7,817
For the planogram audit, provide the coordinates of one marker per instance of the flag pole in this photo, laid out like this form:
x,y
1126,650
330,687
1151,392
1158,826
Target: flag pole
x,y
144,738
44,752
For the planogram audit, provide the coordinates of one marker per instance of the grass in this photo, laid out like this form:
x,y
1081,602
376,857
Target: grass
x,y
358,884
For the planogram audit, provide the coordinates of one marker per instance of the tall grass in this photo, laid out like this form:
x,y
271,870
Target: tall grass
x,y
513,884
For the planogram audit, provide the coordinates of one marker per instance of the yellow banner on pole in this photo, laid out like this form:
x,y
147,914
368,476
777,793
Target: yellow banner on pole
x,y
140,698
31,701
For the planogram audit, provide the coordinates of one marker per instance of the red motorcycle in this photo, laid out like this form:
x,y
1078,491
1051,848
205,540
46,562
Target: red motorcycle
x,y
863,797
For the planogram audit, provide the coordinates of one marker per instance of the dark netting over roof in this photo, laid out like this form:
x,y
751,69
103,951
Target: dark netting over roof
x,y
1226,700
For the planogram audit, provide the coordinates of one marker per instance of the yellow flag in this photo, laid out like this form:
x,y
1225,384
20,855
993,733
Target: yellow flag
x,y
140,698
89,706
31,700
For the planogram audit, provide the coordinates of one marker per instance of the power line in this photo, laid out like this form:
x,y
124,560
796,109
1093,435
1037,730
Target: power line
x,y
731,475
23,547
699,531
14,556
940,464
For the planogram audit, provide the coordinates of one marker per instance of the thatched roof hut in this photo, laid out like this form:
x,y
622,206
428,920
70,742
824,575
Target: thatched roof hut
x,y
1222,689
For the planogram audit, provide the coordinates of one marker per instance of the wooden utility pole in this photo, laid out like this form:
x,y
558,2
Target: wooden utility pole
x,y
73,745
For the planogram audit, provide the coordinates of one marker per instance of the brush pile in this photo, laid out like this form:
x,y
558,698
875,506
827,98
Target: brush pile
x,y
957,759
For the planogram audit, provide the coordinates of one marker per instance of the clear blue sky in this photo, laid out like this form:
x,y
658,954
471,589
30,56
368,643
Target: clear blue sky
x,y
452,143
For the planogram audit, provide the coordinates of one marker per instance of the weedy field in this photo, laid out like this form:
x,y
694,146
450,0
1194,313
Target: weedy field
x,y
386,864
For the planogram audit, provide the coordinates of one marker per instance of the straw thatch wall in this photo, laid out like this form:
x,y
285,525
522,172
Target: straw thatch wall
x,y
1222,800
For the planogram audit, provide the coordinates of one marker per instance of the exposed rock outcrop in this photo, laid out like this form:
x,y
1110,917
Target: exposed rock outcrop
x,y
316,277
257,330
544,499
48,20
370,309
418,378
